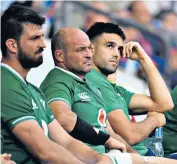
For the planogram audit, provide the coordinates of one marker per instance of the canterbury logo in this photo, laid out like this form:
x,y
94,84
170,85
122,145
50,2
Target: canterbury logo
x,y
84,96
34,105
102,117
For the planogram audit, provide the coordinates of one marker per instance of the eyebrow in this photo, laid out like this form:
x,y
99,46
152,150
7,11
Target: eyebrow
x,y
111,42
36,36
82,45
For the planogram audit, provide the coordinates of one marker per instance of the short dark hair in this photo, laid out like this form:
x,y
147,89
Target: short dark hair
x,y
99,28
12,22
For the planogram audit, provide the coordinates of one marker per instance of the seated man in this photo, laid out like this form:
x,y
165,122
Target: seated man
x,y
170,129
26,119
107,40
68,92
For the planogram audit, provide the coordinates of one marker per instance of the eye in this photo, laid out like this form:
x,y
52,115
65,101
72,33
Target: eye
x,y
110,46
90,48
80,49
35,38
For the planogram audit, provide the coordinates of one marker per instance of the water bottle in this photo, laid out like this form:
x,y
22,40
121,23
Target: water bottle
x,y
157,142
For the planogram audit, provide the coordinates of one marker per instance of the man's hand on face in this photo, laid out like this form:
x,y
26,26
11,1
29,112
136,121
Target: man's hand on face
x,y
134,51
115,144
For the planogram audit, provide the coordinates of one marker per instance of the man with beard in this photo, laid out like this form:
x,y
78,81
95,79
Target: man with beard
x,y
27,121
108,42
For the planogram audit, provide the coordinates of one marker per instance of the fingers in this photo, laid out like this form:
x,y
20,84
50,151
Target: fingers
x,y
152,114
6,156
5,159
124,149
128,49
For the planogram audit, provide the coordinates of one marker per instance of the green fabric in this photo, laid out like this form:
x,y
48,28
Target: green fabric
x,y
83,100
115,97
20,102
95,78
170,129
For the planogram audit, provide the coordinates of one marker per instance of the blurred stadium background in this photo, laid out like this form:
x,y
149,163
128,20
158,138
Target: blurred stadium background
x,y
152,23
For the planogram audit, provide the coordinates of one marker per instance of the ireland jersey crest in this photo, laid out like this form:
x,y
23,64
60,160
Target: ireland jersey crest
x,y
102,117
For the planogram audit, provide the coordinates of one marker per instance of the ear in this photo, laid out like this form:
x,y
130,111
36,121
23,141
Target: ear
x,y
12,45
59,55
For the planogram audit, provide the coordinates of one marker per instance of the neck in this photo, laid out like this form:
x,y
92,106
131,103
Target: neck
x,y
61,65
95,67
80,76
16,66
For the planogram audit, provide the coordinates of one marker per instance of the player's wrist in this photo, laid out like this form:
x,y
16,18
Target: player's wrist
x,y
145,159
153,121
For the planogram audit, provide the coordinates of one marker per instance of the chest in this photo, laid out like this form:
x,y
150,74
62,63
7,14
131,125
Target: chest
x,y
89,105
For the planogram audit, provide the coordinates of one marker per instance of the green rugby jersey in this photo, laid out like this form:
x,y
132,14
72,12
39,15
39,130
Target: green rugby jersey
x,y
83,100
115,97
170,129
20,101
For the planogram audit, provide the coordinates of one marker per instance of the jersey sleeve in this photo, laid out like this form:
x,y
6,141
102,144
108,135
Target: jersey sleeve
x,y
16,106
58,92
126,94
110,99
49,114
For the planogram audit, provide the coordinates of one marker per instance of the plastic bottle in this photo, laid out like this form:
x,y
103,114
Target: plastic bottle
x,y
157,142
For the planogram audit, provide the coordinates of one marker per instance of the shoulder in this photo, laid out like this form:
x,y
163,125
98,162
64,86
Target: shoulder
x,y
117,87
96,78
57,80
11,86
90,74
7,79
56,76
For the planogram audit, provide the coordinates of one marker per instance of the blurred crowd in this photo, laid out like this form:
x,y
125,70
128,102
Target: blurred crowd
x,y
163,23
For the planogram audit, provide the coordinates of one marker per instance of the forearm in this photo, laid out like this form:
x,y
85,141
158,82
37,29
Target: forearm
x,y
32,136
53,157
76,147
158,89
119,138
88,134
141,130
83,152
77,127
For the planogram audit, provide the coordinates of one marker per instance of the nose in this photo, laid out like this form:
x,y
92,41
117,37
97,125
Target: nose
x,y
89,53
42,43
116,54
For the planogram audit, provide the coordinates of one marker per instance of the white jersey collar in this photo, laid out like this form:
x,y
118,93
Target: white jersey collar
x,y
68,72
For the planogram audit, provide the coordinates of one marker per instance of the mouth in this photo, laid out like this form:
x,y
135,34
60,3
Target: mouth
x,y
39,54
88,63
114,62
